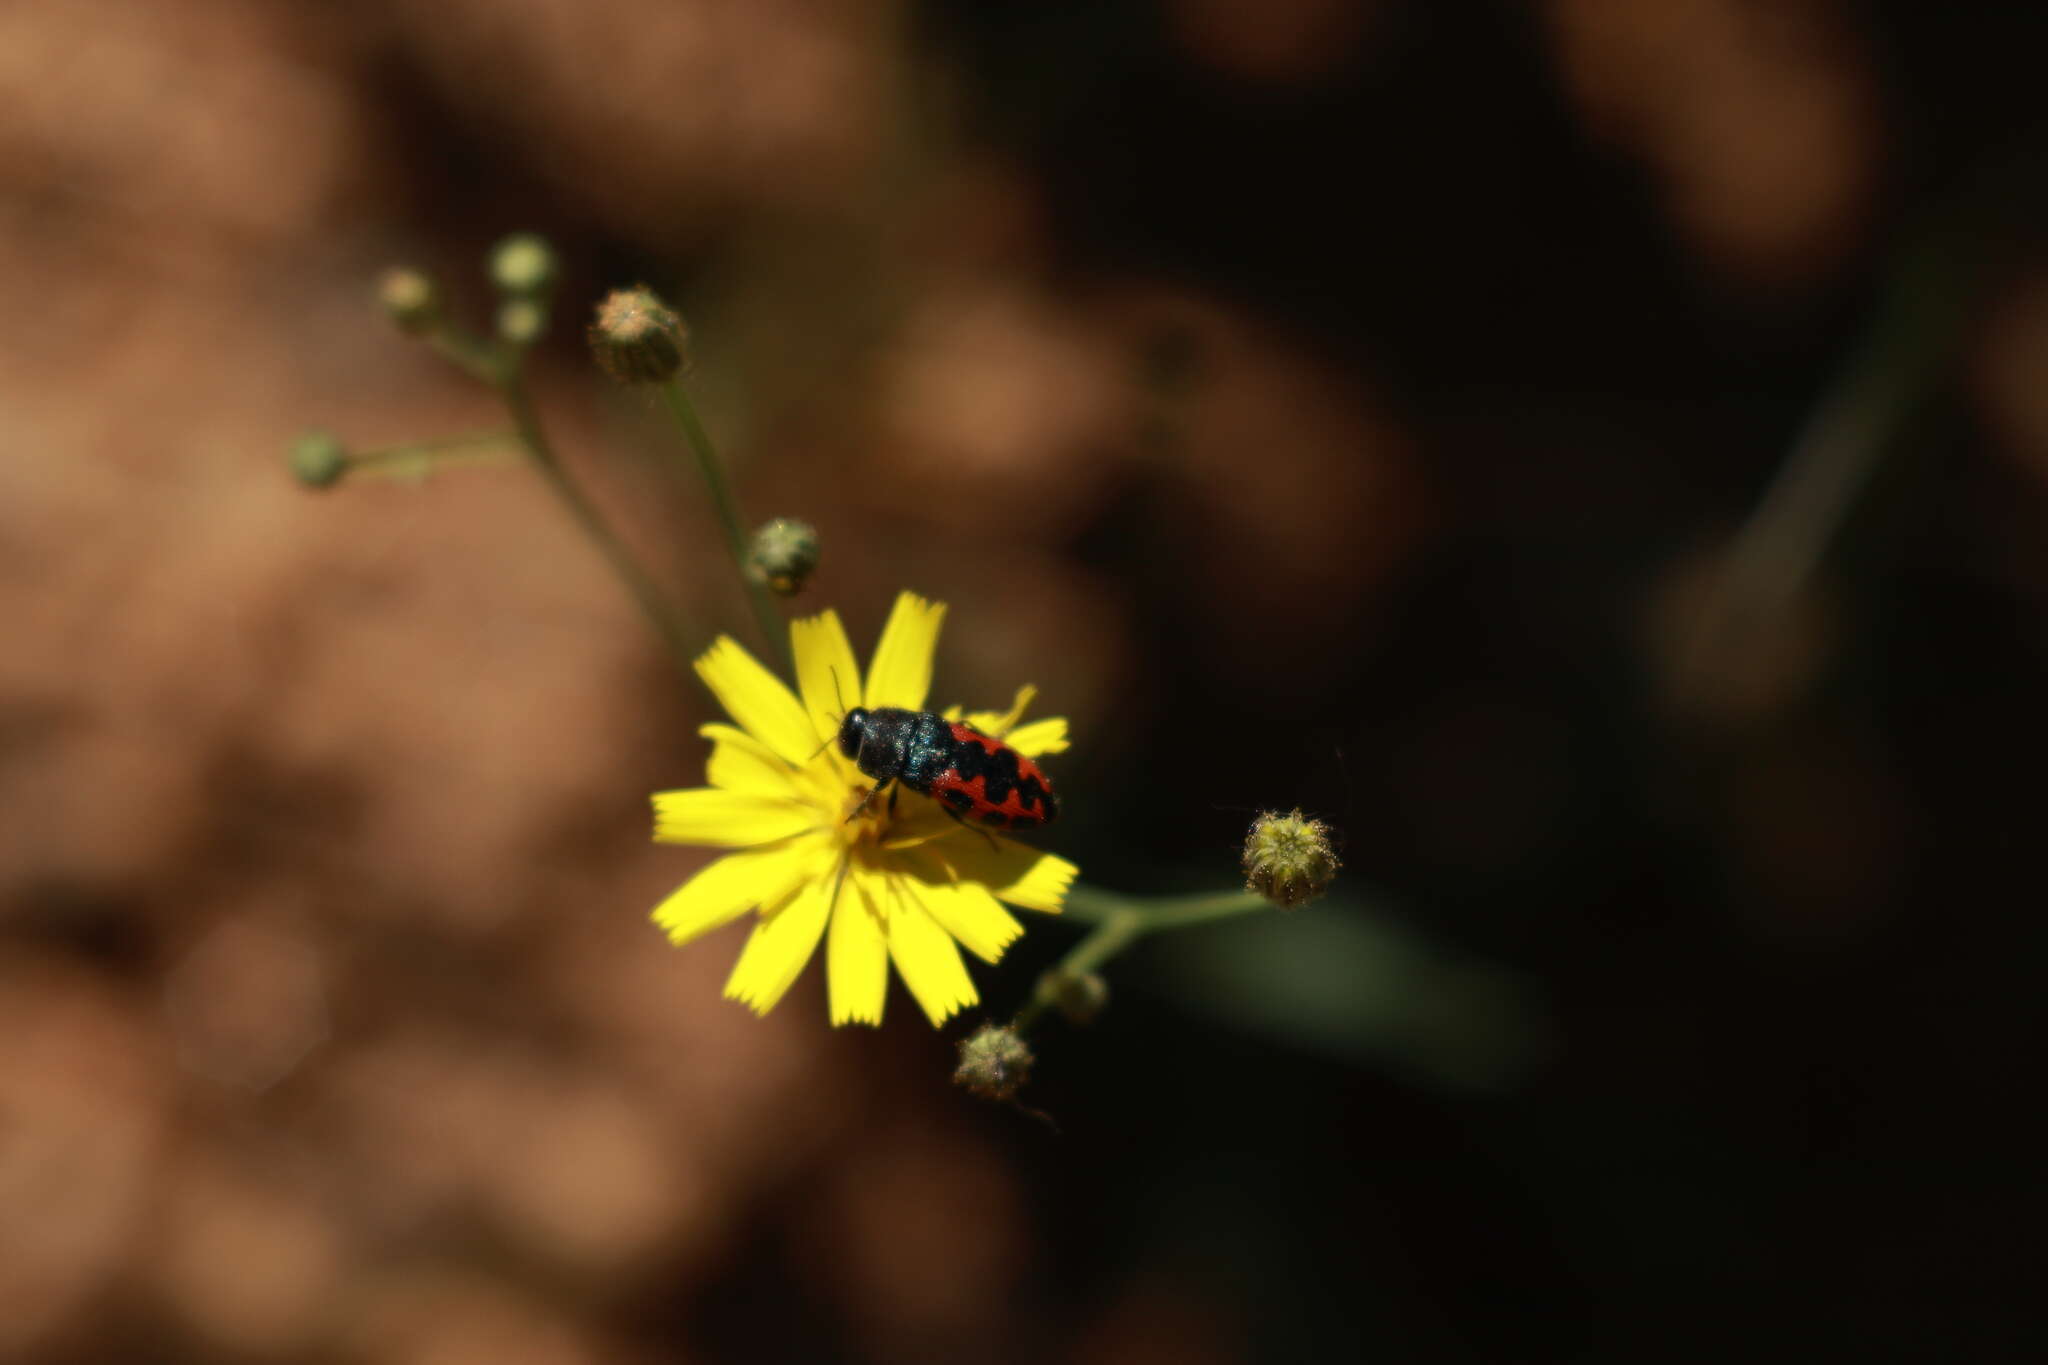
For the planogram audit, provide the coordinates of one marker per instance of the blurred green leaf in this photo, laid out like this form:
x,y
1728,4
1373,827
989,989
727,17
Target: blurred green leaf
x,y
1352,983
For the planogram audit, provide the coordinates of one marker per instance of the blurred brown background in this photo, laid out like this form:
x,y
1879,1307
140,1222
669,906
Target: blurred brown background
x,y
1344,404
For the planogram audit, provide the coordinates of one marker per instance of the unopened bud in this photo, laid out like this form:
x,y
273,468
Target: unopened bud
x,y
411,298
523,264
637,338
522,321
994,1062
1080,997
1288,858
318,459
784,554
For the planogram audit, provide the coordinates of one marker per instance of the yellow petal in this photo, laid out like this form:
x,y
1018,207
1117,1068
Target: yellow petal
x,y
741,763
928,962
901,672
757,699
1048,736
1000,723
963,909
827,675
728,888
727,819
857,954
1012,872
780,946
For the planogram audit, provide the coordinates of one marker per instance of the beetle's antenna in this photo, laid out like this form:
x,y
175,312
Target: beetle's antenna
x,y
839,697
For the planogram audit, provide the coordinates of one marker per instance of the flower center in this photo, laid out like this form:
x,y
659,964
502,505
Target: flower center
x,y
865,816
879,825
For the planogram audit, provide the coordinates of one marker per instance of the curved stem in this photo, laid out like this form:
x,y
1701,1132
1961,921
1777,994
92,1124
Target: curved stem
x,y
1120,921
666,620
765,614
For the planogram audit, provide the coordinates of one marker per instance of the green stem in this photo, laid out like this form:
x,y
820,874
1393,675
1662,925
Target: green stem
x,y
1837,455
1120,921
1842,445
441,451
475,357
708,464
667,621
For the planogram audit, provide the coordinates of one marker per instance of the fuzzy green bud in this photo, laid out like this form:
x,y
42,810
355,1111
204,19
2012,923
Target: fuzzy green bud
x,y
523,264
1080,997
637,338
318,459
522,321
411,299
1288,858
784,553
994,1062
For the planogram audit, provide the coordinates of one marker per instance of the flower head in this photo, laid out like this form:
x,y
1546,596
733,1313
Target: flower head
x,y
523,264
411,298
1288,858
994,1062
319,459
638,338
890,879
784,554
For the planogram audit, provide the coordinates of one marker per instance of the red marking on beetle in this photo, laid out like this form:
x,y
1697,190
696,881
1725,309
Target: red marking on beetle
x,y
1012,812
950,761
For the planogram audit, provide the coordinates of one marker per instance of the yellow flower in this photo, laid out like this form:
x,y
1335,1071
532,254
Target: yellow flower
x,y
898,881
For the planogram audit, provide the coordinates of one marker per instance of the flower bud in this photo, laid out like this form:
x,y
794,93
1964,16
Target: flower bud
x,y
1288,858
994,1062
318,459
1080,997
522,321
411,298
783,555
638,338
523,264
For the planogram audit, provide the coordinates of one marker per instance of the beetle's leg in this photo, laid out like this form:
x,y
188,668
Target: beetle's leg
x,y
869,800
961,821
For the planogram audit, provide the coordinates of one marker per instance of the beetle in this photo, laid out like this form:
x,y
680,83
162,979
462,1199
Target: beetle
x,y
971,775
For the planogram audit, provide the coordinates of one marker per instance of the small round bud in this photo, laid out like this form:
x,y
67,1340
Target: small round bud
x,y
318,459
638,338
994,1062
522,321
411,298
1080,997
784,554
523,264
1288,858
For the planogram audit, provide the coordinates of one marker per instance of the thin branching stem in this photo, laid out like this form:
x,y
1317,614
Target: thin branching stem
x,y
667,621
713,470
1119,921
1839,452
445,450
